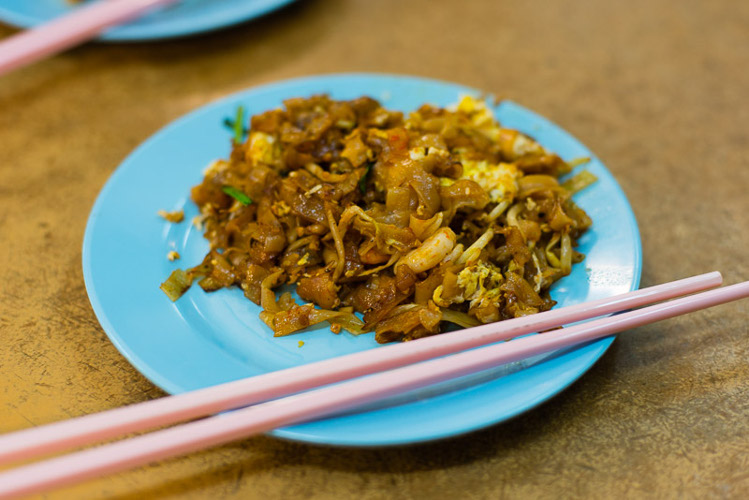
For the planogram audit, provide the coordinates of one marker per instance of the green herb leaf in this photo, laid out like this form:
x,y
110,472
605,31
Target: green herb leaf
x,y
363,180
237,195
238,126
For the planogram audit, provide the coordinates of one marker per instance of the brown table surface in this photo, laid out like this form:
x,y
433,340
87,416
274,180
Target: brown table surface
x,y
657,89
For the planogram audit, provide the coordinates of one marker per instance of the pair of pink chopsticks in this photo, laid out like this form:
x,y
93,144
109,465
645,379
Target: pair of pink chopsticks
x,y
403,367
80,25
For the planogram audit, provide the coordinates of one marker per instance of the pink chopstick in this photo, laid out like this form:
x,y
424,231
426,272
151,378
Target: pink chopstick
x,y
80,25
322,402
89,429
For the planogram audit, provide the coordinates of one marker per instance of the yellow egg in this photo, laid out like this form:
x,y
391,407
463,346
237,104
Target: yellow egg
x,y
480,281
481,116
262,148
499,181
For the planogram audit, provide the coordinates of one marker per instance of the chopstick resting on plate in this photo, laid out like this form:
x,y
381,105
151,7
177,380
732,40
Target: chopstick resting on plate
x,y
325,401
80,25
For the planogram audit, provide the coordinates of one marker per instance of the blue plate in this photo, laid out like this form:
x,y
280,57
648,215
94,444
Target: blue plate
x,y
189,17
206,339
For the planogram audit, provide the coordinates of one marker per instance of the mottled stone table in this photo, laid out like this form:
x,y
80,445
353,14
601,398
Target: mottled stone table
x,y
657,89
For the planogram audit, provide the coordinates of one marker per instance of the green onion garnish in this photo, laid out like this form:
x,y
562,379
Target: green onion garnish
x,y
238,127
363,180
237,195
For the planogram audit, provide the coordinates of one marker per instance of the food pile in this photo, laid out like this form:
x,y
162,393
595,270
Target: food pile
x,y
416,222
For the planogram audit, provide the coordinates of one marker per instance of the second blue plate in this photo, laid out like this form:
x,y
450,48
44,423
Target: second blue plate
x,y
189,17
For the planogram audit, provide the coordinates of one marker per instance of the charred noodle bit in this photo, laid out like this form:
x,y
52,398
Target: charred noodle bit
x,y
415,222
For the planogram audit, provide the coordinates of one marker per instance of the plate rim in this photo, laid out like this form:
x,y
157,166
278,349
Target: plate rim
x,y
286,432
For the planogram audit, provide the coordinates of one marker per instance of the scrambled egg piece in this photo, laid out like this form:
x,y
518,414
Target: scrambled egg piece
x,y
417,153
280,208
480,116
262,148
499,181
481,281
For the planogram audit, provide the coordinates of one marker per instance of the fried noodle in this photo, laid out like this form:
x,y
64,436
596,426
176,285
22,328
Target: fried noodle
x,y
441,217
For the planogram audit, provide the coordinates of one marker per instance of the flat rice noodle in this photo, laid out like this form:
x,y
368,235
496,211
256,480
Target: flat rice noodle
x,y
354,150
294,159
348,322
376,291
318,126
451,290
424,228
531,230
271,242
211,192
314,317
430,317
532,184
253,280
446,168
346,187
381,309
290,134
269,232
485,311
287,322
581,220
424,290
363,106
417,322
520,288
320,289
267,297
427,189
516,245
342,111
258,179
382,214
463,194
398,205
547,164
558,220
311,209
222,272
459,318
387,235
377,297
268,122
429,141
324,175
